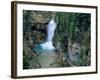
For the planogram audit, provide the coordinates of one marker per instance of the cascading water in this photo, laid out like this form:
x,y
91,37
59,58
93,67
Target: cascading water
x,y
46,50
50,33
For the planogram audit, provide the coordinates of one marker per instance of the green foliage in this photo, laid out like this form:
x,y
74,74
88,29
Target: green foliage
x,y
25,60
27,21
83,56
74,25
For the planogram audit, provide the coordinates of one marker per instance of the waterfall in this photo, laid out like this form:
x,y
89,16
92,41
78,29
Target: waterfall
x,y
50,30
50,33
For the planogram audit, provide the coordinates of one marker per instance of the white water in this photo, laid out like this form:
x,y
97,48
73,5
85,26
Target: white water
x,y
50,33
